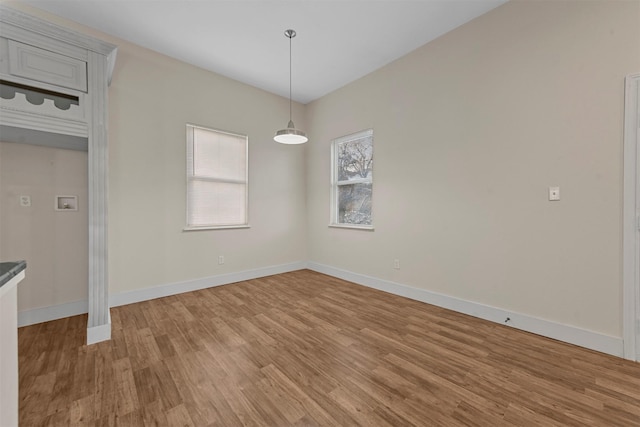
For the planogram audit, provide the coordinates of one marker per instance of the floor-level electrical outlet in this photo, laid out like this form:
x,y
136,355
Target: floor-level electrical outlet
x,y
25,201
220,260
396,264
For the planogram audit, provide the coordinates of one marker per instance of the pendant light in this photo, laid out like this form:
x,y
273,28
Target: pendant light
x,y
290,135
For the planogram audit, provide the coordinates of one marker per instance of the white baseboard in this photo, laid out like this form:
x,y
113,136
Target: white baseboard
x,y
570,334
60,311
160,291
54,312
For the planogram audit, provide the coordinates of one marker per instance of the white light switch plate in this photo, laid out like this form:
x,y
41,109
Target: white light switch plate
x,y
554,193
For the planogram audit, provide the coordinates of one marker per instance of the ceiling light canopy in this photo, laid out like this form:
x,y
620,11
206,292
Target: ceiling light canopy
x,y
290,135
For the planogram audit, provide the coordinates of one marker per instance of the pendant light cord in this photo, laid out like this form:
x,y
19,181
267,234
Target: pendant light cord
x,y
290,135
290,77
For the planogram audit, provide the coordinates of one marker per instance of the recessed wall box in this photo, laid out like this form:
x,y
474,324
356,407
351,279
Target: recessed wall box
x,y
66,203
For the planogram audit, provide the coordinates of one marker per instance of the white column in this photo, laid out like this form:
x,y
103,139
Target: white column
x,y
99,325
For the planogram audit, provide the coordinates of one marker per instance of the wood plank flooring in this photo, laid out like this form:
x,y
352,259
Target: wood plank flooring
x,y
305,349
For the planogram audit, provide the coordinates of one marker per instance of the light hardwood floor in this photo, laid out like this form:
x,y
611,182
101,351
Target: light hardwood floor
x,y
305,349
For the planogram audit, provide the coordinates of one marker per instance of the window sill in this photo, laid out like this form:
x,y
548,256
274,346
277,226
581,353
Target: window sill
x,y
218,227
353,226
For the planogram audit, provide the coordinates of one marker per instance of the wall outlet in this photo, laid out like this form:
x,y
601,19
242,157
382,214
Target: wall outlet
x,y
25,201
554,193
396,264
221,260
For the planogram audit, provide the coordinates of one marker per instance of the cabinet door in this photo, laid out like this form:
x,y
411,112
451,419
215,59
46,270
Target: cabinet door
x,y
42,65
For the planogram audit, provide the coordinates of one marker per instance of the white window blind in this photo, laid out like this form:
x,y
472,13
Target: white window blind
x,y
217,186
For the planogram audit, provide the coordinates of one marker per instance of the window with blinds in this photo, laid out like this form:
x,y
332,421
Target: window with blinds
x,y
217,184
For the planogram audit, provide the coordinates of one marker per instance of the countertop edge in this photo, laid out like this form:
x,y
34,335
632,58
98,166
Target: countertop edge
x,y
10,269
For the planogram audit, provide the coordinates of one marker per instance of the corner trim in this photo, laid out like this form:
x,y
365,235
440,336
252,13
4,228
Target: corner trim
x,y
566,333
130,297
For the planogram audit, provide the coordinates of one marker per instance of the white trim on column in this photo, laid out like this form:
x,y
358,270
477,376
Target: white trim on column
x,y
99,333
567,333
97,69
631,221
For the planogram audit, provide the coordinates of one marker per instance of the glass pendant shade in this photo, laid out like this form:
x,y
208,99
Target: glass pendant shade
x,y
290,135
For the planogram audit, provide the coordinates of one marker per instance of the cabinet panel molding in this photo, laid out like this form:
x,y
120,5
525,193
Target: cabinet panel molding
x,y
45,66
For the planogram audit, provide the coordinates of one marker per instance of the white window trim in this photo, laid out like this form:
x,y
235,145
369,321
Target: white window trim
x,y
189,146
217,227
353,226
333,214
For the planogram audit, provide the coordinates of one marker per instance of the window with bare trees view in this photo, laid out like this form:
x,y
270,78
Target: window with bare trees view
x,y
352,180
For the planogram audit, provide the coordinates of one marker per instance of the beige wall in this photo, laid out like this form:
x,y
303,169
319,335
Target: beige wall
x,y
54,243
469,132
151,98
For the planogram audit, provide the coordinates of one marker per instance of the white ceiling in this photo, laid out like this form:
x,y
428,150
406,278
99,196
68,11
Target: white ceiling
x,y
338,41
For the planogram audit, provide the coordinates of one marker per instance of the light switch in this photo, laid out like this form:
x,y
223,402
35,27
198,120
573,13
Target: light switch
x,y
25,201
554,193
